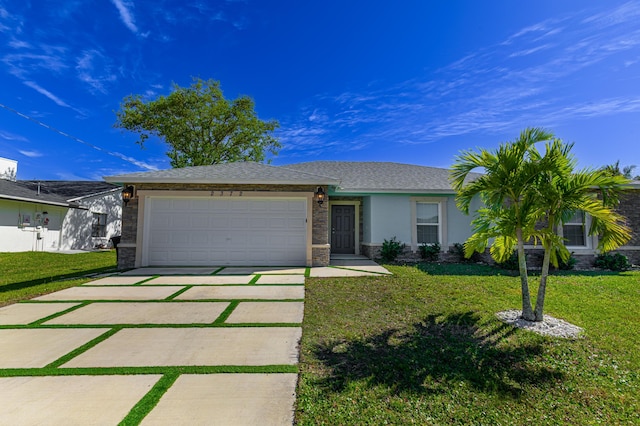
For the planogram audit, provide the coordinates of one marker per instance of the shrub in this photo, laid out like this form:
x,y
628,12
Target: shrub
x,y
511,263
391,249
613,262
568,265
430,252
457,249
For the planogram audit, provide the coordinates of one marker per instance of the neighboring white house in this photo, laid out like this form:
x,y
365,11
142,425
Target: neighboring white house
x,y
58,215
8,169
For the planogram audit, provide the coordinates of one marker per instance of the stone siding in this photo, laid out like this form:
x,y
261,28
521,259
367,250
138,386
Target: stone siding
x,y
321,255
630,208
127,255
320,215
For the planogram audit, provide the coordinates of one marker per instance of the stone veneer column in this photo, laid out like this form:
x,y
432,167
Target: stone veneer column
x,y
321,249
127,246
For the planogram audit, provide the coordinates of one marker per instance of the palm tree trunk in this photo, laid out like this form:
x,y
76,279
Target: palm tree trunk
x,y
527,310
539,316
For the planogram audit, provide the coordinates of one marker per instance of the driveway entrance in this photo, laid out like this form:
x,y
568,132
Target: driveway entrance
x,y
219,347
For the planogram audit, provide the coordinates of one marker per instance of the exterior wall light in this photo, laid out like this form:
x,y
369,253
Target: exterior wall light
x,y
127,194
320,195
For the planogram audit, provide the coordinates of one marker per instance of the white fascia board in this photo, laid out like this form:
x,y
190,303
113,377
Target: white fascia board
x,y
35,201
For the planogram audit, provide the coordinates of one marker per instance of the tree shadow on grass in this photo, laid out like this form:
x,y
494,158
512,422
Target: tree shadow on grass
x,y
438,353
44,280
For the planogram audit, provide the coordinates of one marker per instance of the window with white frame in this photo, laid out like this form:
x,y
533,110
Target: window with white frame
x,y
574,230
99,225
428,223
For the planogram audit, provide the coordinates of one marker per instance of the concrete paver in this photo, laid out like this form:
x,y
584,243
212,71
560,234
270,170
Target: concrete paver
x,y
26,313
71,400
118,280
267,312
281,279
112,293
201,280
249,270
32,348
144,313
136,347
193,399
227,399
171,271
243,292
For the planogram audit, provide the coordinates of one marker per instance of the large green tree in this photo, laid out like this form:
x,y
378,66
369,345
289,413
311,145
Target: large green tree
x,y
504,189
200,125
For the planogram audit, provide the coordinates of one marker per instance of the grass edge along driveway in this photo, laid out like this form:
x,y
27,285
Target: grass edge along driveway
x,y
424,347
26,275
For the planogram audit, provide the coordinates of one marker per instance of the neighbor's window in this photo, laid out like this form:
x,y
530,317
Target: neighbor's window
x,y
99,228
573,230
427,222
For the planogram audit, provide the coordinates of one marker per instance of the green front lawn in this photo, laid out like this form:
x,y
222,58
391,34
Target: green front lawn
x,y
30,274
425,347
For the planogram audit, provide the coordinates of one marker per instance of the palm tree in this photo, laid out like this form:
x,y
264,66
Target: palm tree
x,y
614,170
562,192
505,190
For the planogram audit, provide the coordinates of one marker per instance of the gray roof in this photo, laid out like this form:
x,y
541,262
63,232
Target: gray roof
x,y
346,176
377,177
70,189
237,173
14,191
58,193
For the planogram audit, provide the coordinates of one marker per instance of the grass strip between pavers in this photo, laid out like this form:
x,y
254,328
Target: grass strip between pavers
x,y
147,280
74,353
220,269
150,400
307,272
178,293
254,280
58,314
125,371
225,314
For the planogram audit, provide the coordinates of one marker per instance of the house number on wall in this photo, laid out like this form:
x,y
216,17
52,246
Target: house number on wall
x,y
226,193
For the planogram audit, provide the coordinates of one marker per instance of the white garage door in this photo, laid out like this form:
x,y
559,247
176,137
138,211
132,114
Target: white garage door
x,y
225,231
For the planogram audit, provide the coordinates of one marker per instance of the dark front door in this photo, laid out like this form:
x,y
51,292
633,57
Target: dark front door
x,y
343,229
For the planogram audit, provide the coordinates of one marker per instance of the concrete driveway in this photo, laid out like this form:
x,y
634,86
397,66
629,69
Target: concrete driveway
x,y
158,346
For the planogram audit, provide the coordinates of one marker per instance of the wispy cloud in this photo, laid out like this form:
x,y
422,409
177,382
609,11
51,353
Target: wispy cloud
x,y
12,137
125,9
95,70
537,76
141,164
31,154
46,93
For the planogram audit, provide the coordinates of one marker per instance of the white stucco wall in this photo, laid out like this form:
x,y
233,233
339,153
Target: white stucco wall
x,y
459,224
389,215
77,225
35,236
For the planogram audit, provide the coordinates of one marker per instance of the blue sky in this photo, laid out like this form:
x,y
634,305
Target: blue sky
x,y
412,81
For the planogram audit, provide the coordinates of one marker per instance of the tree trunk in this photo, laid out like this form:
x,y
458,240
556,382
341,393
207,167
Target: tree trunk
x,y
539,315
527,310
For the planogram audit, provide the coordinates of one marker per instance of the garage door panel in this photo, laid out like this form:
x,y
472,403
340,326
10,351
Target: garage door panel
x,y
208,231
